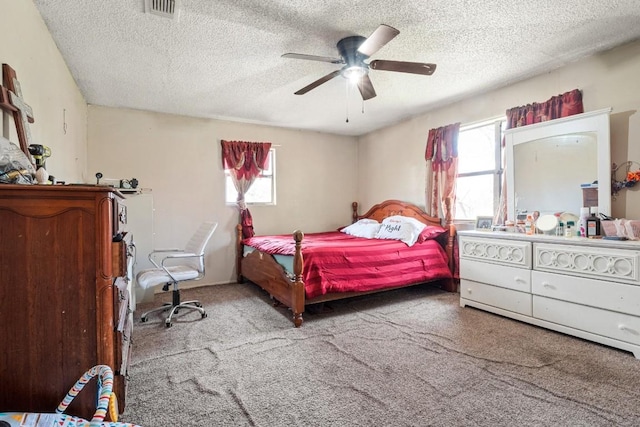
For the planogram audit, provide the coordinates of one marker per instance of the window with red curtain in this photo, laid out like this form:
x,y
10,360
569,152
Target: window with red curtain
x,y
442,167
244,161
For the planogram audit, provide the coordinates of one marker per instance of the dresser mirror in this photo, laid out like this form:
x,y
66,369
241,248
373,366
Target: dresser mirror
x,y
548,162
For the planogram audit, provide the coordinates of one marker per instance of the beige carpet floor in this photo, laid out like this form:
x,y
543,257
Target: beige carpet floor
x,y
411,357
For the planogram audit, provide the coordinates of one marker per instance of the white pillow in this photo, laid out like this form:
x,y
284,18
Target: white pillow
x,y
365,227
403,228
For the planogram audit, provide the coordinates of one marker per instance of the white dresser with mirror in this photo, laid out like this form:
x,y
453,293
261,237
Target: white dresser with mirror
x,y
589,288
548,162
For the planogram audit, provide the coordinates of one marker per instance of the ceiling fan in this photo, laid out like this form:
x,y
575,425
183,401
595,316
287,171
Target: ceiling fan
x,y
354,50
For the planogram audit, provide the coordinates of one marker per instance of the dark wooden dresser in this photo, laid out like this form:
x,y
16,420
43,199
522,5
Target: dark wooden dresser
x,y
60,256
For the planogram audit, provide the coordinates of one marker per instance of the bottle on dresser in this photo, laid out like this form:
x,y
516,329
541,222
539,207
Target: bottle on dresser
x,y
530,225
593,223
582,222
569,229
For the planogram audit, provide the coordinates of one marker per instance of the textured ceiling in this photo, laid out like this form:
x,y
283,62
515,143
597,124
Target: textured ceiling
x,y
222,58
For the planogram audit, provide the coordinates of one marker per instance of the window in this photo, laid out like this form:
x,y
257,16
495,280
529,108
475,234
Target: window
x,y
479,169
263,189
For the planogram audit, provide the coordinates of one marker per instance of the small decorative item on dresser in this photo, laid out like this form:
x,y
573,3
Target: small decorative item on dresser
x,y
630,177
484,223
129,183
621,227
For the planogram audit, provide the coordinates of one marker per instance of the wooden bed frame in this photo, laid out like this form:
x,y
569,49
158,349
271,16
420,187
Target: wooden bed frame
x,y
288,289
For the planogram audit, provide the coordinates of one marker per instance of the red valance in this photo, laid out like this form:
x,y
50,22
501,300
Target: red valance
x,y
247,158
442,143
566,104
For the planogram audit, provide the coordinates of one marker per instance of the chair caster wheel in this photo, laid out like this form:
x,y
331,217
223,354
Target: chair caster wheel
x,y
203,315
197,304
144,319
168,323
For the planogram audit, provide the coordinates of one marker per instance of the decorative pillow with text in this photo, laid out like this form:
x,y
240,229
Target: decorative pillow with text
x,y
401,228
367,228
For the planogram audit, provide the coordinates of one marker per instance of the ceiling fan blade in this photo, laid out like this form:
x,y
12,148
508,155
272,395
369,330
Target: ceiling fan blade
x,y
380,37
366,88
313,58
403,67
318,82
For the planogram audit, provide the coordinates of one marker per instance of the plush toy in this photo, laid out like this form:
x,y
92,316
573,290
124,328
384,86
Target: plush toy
x,y
106,401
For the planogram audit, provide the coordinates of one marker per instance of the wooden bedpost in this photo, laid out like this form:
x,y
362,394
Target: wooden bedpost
x,y
297,287
239,250
354,212
452,284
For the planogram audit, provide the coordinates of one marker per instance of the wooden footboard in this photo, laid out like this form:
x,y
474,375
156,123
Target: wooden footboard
x,y
288,289
263,270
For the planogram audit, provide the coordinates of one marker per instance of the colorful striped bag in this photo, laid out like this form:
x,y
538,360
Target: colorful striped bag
x,y
106,402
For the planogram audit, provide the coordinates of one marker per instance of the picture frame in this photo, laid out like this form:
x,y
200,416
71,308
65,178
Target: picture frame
x,y
484,223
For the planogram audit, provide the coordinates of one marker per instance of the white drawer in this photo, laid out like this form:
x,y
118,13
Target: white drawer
x,y
507,299
617,265
596,293
507,252
518,279
609,324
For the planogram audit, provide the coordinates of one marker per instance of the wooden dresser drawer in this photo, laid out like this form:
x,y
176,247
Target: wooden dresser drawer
x,y
608,324
119,259
507,299
507,252
596,293
518,279
616,265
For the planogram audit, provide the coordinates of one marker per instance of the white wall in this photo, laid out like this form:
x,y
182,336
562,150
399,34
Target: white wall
x,y
179,159
391,161
47,86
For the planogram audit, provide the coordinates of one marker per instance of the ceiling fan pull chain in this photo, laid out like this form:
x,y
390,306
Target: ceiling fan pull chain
x,y
347,103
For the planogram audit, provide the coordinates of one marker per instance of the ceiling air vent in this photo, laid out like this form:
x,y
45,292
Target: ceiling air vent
x,y
164,8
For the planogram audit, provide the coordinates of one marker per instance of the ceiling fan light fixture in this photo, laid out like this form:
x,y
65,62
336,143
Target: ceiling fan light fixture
x,y
354,51
354,73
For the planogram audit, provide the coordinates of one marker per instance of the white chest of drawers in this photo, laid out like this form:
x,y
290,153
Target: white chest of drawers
x,y
582,287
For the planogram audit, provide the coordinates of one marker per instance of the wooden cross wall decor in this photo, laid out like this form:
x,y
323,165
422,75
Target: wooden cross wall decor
x,y
11,101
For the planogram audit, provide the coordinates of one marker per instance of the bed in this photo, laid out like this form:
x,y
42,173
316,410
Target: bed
x,y
277,263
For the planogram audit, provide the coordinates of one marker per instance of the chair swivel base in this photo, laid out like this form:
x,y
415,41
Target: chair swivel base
x,y
175,307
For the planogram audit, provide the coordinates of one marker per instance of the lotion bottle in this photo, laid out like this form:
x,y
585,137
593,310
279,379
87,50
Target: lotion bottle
x,y
584,215
529,225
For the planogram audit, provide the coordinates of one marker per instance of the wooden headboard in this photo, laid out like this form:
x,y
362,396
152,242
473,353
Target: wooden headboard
x,y
395,207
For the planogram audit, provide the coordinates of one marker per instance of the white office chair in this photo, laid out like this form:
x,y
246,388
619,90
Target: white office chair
x,y
173,266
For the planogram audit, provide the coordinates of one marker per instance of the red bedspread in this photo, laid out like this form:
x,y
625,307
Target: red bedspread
x,y
338,262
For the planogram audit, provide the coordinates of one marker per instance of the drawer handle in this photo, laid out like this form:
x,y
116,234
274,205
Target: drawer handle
x,y
519,279
468,290
548,285
628,329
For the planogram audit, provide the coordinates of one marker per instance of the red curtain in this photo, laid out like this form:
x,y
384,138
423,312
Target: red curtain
x,y
564,105
441,155
442,168
244,161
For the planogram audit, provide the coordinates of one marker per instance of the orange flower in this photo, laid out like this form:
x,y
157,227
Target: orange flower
x,y
633,176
